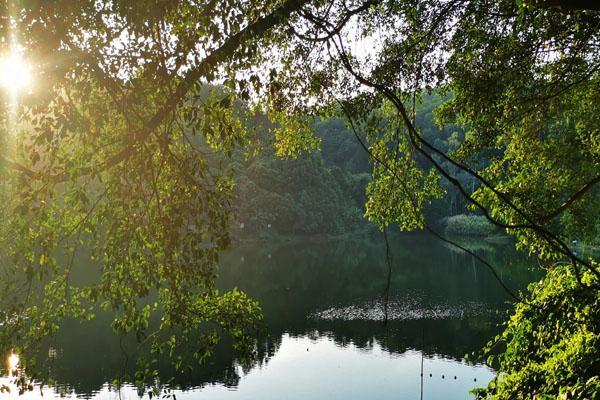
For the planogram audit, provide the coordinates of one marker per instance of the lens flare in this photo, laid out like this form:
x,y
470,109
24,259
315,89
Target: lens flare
x,y
13,361
15,74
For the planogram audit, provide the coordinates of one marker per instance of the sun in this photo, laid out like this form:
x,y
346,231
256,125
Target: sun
x,y
15,74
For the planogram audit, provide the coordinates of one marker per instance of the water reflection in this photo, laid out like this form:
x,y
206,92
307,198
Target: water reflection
x,y
12,361
319,368
321,302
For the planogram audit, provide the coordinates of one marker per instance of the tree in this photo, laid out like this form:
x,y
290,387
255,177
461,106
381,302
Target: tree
x,y
107,157
103,156
523,81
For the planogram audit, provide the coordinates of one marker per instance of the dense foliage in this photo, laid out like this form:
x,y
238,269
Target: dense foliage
x,y
120,151
551,342
102,167
318,193
324,192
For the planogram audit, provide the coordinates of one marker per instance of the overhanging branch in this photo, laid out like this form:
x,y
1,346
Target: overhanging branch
x,y
204,67
574,197
568,5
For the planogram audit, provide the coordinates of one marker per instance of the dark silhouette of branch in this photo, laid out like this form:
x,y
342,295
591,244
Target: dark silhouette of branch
x,y
386,293
574,197
339,26
568,5
420,144
510,292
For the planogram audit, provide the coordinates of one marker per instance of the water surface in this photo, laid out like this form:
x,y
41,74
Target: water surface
x,y
330,334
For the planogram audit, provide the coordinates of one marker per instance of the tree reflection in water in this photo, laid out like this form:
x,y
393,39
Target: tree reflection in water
x,y
442,303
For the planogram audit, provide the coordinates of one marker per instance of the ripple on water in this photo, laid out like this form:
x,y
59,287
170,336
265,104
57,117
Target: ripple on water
x,y
402,310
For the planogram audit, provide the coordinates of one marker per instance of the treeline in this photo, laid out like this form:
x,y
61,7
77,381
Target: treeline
x,y
316,193
324,192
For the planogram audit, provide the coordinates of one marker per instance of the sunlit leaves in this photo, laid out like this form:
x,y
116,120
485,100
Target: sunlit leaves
x,y
400,190
293,135
127,190
123,156
551,342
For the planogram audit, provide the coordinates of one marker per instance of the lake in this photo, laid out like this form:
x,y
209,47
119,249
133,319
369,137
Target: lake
x,y
325,313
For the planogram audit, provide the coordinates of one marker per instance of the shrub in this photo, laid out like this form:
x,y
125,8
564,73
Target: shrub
x,y
471,225
552,342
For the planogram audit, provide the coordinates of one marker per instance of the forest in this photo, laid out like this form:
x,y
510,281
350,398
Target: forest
x,y
401,197
323,192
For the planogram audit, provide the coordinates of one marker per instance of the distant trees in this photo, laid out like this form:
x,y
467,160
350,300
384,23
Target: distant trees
x,y
299,196
119,149
318,193
324,192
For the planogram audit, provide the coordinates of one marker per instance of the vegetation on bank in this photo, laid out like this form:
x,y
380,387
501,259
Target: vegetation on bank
x,y
317,193
104,155
323,192
550,343
469,225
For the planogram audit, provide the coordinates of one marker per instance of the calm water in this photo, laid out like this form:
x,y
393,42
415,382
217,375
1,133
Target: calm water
x,y
322,302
